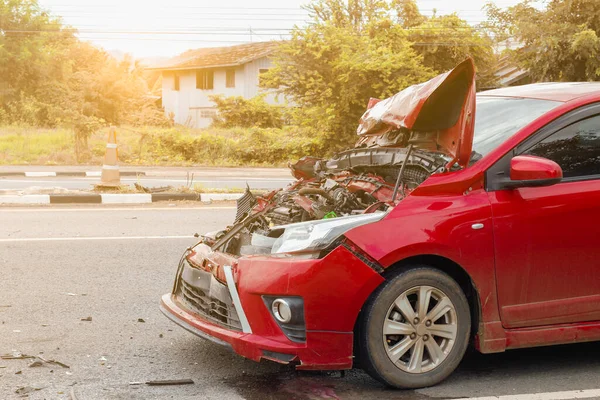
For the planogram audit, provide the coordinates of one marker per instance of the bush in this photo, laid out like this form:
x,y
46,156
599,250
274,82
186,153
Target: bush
x,y
161,146
254,146
237,111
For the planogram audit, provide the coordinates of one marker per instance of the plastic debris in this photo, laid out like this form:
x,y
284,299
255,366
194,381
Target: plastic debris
x,y
171,382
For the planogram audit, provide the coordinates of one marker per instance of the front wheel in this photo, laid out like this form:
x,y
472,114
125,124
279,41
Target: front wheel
x,y
415,329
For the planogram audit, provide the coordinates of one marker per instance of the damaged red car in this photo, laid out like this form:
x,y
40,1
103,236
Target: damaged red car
x,y
441,228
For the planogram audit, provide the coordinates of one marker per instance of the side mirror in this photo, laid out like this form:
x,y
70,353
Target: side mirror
x,y
532,171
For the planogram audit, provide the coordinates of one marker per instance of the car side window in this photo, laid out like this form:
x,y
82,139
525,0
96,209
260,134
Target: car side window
x,y
576,148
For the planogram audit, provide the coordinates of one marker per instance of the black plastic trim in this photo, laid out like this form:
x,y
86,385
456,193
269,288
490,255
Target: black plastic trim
x,y
295,330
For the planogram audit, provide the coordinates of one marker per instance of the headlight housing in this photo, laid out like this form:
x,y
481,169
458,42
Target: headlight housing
x,y
318,235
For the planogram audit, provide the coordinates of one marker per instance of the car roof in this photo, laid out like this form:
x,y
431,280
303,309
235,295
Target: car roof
x,y
557,91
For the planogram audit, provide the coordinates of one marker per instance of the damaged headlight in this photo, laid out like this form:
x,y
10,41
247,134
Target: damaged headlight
x,y
318,235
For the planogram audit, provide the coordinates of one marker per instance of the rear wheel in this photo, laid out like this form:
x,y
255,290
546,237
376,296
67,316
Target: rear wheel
x,y
415,328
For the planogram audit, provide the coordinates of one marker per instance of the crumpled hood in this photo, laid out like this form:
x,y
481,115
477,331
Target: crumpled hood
x,y
441,110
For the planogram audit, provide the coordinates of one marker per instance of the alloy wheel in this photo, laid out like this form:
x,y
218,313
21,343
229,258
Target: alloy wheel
x,y
420,329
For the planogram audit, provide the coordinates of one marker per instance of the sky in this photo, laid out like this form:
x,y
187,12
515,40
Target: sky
x,y
151,28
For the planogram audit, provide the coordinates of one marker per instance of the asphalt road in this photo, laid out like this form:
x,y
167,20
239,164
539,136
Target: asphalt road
x,y
81,183
59,265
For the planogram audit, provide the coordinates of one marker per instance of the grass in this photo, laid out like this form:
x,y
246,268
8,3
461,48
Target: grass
x,y
151,146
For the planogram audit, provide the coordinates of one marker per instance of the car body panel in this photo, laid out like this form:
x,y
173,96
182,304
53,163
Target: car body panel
x,y
444,104
547,253
441,226
311,279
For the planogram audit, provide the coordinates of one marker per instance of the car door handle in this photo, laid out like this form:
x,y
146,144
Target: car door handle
x,y
477,226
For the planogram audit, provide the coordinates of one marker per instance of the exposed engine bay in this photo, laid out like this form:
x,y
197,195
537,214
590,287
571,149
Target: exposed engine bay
x,y
356,181
421,130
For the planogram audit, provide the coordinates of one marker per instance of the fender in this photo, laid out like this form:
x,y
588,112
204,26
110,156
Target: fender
x,y
453,227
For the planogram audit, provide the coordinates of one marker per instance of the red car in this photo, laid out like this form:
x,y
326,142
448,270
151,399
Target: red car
x,y
496,245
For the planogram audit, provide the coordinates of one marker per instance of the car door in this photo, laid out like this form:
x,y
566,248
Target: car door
x,y
547,239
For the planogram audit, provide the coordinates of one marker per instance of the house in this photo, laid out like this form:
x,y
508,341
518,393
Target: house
x,y
507,72
190,78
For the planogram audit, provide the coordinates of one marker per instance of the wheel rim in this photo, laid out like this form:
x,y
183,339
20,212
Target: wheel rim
x,y
420,329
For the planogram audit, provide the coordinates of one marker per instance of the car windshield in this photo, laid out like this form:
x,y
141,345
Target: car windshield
x,y
498,118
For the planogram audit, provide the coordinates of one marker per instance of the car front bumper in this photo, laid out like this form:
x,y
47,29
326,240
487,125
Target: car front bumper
x,y
333,289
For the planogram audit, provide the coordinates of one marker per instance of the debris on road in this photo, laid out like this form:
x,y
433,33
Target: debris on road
x,y
25,390
15,355
36,363
71,294
170,382
141,320
88,319
146,189
53,362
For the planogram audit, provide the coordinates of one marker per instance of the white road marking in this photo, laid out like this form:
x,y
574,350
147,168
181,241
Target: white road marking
x,y
82,238
568,395
132,209
38,174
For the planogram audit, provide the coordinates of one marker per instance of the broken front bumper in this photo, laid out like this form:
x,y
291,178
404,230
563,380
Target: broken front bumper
x,y
333,290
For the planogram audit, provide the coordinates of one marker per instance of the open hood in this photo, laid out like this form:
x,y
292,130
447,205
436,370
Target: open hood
x,y
439,113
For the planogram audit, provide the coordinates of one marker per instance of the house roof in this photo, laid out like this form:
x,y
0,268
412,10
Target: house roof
x,y
508,73
219,56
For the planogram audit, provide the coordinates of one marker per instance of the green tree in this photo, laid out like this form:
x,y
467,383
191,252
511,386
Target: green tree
x,y
236,111
444,41
50,78
559,43
31,41
356,49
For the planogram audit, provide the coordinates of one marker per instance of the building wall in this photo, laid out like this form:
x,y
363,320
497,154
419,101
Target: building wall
x,y
253,75
192,107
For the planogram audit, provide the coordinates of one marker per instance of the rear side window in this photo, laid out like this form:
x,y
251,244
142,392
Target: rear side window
x,y
576,148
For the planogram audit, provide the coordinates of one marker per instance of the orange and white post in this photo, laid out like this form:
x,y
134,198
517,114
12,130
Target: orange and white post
x,y
110,170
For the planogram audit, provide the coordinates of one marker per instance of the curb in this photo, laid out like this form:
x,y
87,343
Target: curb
x,y
108,198
48,174
208,197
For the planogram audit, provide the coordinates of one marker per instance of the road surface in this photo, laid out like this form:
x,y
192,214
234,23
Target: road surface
x,y
61,265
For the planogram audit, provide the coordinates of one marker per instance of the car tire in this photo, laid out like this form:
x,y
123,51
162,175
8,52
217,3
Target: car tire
x,y
422,352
